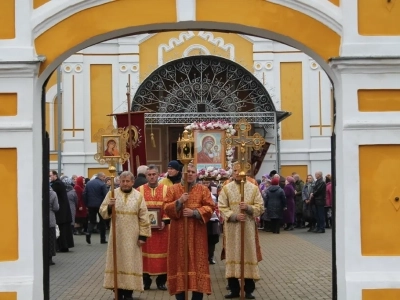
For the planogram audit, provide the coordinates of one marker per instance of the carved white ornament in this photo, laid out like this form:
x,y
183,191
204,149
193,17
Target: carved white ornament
x,y
313,65
135,68
219,42
123,68
67,68
78,68
193,47
173,42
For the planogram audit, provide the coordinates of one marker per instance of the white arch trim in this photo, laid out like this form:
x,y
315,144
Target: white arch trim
x,y
323,11
219,42
173,42
194,47
53,12
193,25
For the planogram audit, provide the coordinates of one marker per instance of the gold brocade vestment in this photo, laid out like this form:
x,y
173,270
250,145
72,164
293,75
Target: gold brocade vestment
x,y
155,250
131,221
199,273
228,203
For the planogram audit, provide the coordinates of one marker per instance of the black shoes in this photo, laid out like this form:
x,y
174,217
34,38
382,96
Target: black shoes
x,y
162,287
320,231
88,238
147,283
211,261
232,296
249,296
102,242
51,262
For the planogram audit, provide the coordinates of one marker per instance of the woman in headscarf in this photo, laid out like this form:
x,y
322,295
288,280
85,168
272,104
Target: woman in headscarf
x,y
52,225
72,198
288,215
81,210
275,204
308,213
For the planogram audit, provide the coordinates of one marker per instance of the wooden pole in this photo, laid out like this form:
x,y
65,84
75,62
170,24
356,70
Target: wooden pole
x,y
112,171
242,224
185,241
128,98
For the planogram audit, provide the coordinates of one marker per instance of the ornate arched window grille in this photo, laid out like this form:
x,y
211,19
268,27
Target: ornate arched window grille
x,y
202,84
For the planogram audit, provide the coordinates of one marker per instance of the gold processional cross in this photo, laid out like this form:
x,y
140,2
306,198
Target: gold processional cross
x,y
243,141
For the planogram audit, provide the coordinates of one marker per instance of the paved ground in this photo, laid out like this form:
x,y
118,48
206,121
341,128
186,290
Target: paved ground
x,y
296,266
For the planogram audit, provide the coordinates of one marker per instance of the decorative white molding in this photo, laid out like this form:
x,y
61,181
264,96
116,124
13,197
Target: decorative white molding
x,y
323,11
173,42
19,69
53,12
219,42
15,126
185,10
371,65
259,65
313,64
195,47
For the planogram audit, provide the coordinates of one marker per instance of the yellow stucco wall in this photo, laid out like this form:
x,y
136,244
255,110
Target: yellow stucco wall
x,y
378,17
8,104
7,17
378,100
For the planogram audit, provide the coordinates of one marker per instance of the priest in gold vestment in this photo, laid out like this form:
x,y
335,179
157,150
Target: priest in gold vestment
x,y
199,209
230,205
155,250
132,229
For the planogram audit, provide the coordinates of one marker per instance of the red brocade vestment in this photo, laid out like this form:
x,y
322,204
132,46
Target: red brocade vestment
x,y
198,265
155,250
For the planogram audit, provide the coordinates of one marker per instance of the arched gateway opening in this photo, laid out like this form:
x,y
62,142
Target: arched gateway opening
x,y
205,88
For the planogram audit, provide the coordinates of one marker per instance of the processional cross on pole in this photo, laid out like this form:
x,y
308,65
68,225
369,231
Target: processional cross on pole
x,y
244,142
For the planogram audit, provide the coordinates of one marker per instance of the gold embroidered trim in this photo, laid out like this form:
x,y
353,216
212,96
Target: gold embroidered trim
x,y
121,212
154,203
125,273
239,262
151,255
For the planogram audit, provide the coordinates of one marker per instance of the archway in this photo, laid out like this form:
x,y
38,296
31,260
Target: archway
x,y
287,31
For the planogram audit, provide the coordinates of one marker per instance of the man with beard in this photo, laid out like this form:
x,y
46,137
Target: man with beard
x,y
231,207
174,174
63,215
198,210
155,250
132,229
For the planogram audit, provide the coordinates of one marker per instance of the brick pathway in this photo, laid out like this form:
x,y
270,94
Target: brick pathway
x,y
296,266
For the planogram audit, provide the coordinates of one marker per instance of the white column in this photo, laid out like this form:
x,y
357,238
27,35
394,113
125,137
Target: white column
x,y
24,133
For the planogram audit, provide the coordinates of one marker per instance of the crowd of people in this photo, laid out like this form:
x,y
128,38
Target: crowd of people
x,y
147,249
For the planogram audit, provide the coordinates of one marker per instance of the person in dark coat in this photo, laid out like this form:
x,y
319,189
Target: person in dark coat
x,y
141,177
298,199
275,203
63,215
93,196
308,208
318,197
52,225
288,215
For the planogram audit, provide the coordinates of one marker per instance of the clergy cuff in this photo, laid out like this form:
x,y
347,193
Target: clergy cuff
x,y
233,218
142,238
167,221
249,210
196,214
178,205
109,210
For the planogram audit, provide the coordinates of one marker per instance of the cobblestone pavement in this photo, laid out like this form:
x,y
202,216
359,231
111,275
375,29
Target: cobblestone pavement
x,y
296,265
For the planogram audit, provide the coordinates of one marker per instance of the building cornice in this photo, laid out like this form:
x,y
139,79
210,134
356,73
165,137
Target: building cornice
x,y
368,65
12,69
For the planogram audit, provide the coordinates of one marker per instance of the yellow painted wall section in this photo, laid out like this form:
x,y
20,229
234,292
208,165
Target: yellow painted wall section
x,y
378,100
100,97
382,294
9,220
273,17
7,17
292,100
336,2
38,3
8,104
92,19
93,171
149,50
378,17
302,170
8,296
53,157
380,221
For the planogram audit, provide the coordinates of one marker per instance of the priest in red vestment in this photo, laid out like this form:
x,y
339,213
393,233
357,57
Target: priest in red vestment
x,y
199,208
156,248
